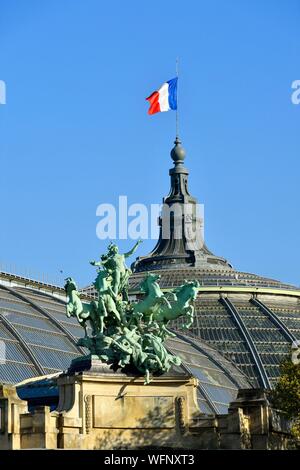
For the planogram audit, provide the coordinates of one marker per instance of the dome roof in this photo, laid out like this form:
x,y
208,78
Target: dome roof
x,y
249,319
219,379
40,340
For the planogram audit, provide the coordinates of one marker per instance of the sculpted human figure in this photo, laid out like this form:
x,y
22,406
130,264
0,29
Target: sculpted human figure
x,y
128,344
114,263
106,304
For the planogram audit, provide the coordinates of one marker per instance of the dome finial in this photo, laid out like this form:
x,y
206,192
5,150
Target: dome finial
x,y
177,152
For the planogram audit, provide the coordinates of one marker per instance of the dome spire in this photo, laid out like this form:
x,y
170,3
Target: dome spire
x,y
180,240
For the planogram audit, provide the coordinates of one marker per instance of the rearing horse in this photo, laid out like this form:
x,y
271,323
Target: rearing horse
x,y
181,305
154,296
157,308
75,308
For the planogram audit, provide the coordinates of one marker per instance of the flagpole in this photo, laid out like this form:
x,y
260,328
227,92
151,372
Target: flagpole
x,y
177,120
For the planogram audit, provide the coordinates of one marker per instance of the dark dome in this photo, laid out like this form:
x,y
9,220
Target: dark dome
x,y
249,319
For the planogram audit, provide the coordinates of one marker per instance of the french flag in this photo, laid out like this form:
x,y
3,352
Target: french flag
x,y
165,98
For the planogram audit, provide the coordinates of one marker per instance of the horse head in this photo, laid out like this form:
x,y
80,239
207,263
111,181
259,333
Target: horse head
x,y
148,281
101,279
188,290
70,285
151,278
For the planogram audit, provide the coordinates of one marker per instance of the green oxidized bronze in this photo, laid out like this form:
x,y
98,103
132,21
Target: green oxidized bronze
x,y
124,333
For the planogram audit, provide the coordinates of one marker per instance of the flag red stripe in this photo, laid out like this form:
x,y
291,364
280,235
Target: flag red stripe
x,y
154,103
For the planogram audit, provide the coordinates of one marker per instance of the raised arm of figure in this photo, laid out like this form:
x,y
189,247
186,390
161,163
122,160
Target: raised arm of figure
x,y
129,253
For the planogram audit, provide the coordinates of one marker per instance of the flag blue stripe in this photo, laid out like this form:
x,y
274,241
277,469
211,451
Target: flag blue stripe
x,y
173,93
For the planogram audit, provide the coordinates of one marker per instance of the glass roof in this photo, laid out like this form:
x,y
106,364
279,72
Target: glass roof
x,y
234,336
253,334
219,380
35,345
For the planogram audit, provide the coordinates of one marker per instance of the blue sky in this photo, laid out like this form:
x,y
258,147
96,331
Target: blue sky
x,y
75,131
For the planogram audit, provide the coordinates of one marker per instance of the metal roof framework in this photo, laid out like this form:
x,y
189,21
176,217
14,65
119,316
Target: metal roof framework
x,y
264,379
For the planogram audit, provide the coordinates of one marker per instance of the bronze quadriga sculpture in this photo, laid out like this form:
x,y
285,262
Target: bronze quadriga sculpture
x,y
124,333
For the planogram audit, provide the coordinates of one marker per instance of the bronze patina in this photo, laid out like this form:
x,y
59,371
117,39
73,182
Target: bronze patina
x,y
128,333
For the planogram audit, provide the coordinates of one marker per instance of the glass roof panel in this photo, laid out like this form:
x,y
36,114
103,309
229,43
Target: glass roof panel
x,y
266,335
273,347
12,372
15,352
211,376
254,322
273,371
296,333
286,312
19,306
180,344
220,394
4,333
4,294
51,358
272,359
61,316
75,330
291,322
194,359
48,304
40,337
204,407
30,320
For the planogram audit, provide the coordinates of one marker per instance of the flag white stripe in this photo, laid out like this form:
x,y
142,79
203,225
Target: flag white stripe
x,y
164,97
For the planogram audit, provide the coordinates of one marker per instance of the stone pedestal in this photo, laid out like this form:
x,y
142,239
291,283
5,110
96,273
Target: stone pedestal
x,y
104,409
